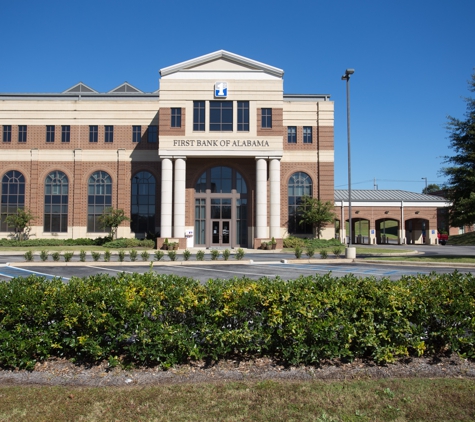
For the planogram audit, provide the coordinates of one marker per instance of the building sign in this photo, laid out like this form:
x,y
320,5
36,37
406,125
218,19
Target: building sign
x,y
220,143
221,89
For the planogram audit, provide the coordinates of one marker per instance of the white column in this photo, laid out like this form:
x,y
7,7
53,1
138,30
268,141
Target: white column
x,y
179,205
261,198
274,176
167,189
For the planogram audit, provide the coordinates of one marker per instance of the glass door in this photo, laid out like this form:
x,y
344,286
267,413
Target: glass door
x,y
220,232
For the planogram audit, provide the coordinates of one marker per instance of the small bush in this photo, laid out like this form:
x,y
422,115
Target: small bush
x,y
337,250
68,256
186,254
239,254
298,252
323,253
214,254
145,255
291,242
44,255
96,256
226,254
158,255
107,256
82,256
121,256
56,256
28,256
310,251
130,243
200,255
133,255
172,255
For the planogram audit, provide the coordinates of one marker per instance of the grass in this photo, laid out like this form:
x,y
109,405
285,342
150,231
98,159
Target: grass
x,y
466,239
363,400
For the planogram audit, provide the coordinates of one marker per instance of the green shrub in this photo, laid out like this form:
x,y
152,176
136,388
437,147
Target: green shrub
x,y
158,255
96,256
28,256
172,255
44,255
226,254
240,254
56,256
130,243
298,252
107,255
133,255
200,255
145,255
82,255
337,250
186,254
214,254
68,256
323,253
121,255
310,251
291,242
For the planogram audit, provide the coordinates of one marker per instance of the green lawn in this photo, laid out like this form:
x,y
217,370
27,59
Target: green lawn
x,y
362,400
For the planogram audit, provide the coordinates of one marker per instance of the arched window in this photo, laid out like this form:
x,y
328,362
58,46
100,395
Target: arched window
x,y
13,196
99,197
56,202
300,184
143,203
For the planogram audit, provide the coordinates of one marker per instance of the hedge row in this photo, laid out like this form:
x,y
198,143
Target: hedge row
x,y
154,319
99,241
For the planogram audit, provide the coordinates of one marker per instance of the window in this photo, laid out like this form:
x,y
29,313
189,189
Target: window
x,y
292,135
136,133
109,134
152,134
13,196
143,203
221,116
199,116
49,133
99,197
307,134
243,116
93,130
56,203
300,184
65,133
176,117
7,133
266,118
22,133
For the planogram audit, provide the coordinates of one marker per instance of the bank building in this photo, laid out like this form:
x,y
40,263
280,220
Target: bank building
x,y
219,155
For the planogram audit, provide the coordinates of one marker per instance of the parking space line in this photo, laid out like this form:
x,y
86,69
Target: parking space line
x,y
12,272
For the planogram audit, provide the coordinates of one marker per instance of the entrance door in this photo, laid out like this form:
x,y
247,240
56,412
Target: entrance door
x,y
220,232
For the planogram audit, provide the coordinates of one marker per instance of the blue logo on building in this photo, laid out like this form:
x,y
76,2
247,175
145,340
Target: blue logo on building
x,y
221,89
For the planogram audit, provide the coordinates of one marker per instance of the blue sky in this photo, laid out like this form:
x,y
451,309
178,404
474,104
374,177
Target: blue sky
x,y
412,61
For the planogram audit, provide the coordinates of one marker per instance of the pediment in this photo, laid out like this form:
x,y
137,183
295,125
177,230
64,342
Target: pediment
x,y
125,87
221,61
80,88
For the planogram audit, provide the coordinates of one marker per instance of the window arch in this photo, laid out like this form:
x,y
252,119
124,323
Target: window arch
x,y
13,196
99,197
221,179
300,184
56,202
143,203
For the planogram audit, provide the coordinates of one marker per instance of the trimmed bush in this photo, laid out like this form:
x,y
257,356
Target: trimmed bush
x,y
226,254
172,255
240,254
158,255
214,254
95,256
56,256
323,254
186,254
200,255
82,255
121,255
107,256
68,256
337,250
133,255
145,255
310,251
298,252
44,255
28,256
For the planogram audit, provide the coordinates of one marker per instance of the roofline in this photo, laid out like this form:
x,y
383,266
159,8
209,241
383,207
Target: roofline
x,y
218,55
306,97
78,95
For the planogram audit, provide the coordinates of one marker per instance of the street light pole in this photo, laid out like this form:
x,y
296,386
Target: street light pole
x,y
425,178
346,77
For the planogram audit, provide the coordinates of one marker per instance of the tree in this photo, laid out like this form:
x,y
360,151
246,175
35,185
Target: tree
x,y
316,213
112,218
432,187
21,223
461,170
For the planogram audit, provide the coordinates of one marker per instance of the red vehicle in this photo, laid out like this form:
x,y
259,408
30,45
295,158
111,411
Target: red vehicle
x,y
443,238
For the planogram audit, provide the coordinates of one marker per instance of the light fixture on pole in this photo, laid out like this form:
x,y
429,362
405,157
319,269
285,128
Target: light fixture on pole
x,y
346,77
425,178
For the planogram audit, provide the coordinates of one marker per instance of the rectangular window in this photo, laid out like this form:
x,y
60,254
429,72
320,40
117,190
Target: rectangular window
x,y
136,133
49,133
292,135
243,116
109,134
221,116
152,134
199,116
176,117
22,133
65,133
93,130
7,133
307,134
266,118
